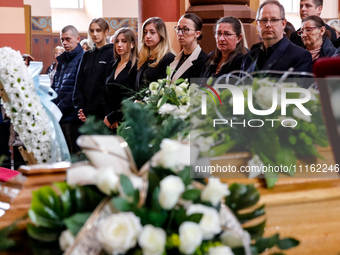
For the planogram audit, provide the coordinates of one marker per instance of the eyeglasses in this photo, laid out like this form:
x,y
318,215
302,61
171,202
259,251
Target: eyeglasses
x,y
184,30
224,35
307,29
272,22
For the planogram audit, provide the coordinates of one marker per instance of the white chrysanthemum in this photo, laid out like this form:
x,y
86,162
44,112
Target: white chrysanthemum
x,y
24,107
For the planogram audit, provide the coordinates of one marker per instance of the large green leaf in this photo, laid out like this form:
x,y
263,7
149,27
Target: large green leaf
x,y
191,194
265,243
76,222
287,243
43,234
242,196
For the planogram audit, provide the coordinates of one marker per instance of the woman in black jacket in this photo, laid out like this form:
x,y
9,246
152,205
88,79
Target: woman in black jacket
x,y
122,76
88,95
230,48
190,62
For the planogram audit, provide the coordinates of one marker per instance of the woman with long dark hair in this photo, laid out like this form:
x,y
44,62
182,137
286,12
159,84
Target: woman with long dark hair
x,y
229,48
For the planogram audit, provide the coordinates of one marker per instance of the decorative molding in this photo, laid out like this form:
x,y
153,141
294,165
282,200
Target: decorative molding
x,y
41,25
116,23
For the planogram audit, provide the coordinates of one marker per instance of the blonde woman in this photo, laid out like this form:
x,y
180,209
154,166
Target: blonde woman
x,y
122,75
155,53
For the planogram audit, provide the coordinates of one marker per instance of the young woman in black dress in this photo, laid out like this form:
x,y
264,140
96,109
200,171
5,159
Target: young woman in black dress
x,y
122,76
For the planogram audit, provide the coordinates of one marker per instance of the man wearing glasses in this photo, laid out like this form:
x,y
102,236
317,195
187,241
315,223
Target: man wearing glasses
x,y
309,8
276,51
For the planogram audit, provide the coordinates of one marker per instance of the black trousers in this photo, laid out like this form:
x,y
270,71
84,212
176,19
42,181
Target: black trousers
x,y
71,133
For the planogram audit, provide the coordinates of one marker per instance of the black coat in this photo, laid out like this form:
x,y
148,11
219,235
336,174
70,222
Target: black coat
x,y
296,39
233,65
327,48
117,89
64,81
147,74
285,56
90,84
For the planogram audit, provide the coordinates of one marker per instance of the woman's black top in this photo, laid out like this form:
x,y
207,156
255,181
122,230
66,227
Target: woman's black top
x,y
147,74
117,89
234,64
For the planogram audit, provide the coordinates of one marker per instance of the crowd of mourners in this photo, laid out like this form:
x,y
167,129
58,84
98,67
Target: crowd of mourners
x,y
93,76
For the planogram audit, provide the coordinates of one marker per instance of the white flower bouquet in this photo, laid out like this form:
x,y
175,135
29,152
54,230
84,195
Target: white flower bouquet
x,y
23,106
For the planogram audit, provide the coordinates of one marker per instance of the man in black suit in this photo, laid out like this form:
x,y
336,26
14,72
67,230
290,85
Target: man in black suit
x,y
309,8
276,51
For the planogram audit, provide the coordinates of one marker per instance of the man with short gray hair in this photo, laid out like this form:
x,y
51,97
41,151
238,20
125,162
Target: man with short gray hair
x,y
63,84
276,52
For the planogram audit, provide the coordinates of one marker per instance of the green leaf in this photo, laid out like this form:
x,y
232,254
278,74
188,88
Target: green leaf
x,y
6,244
126,185
191,194
256,231
39,220
251,215
76,222
43,234
196,217
180,80
287,243
185,176
46,201
271,178
266,243
121,204
242,196
66,198
157,218
180,216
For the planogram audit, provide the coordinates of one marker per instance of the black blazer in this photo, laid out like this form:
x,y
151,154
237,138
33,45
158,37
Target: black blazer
x,y
285,56
234,64
147,74
192,66
117,89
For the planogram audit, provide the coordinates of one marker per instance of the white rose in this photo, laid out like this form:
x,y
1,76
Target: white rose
x,y
264,97
119,232
66,239
298,114
184,85
214,191
169,150
220,250
152,240
231,239
171,188
204,143
153,86
256,166
191,236
167,109
107,181
210,223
